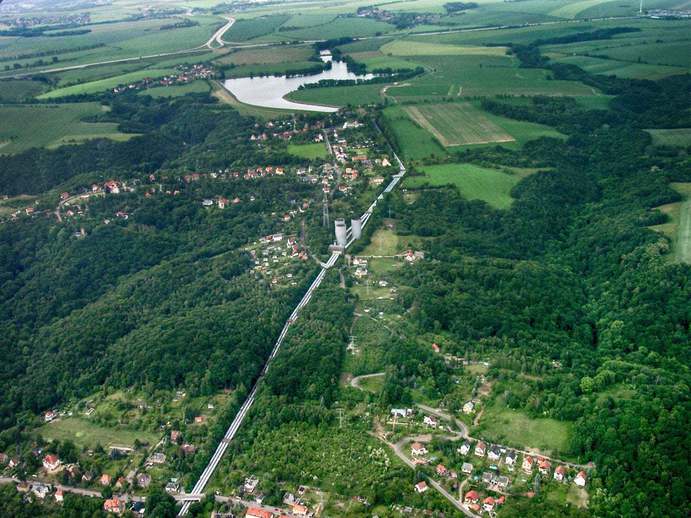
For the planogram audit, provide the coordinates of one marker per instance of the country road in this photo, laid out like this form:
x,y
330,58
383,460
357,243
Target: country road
x,y
355,382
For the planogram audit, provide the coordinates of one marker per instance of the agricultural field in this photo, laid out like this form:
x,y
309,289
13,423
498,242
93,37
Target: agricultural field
x,y
195,87
474,182
12,91
413,141
270,55
680,137
383,242
678,226
338,28
339,95
49,125
404,48
249,29
84,433
513,428
308,151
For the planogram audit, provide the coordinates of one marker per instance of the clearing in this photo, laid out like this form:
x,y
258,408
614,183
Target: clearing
x,y
308,151
474,182
680,137
678,228
383,242
85,433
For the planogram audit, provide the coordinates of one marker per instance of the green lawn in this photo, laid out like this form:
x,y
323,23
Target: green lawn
x,y
474,182
26,126
84,433
308,151
373,384
513,428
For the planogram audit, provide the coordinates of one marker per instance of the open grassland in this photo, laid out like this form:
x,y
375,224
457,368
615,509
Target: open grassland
x,y
376,60
414,142
339,95
680,137
457,124
249,29
338,28
41,125
404,48
195,87
383,242
109,83
623,69
678,226
267,55
308,151
12,91
84,433
513,428
473,182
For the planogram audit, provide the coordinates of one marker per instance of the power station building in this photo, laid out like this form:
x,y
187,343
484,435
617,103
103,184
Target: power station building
x,y
341,233
356,227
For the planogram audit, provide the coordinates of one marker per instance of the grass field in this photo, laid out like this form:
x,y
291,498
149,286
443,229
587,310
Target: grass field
x,y
383,242
308,151
244,30
102,85
270,55
414,142
41,125
12,91
339,95
671,137
678,228
87,434
195,87
503,425
404,48
474,182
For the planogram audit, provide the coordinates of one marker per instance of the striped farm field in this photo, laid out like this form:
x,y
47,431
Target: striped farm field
x,y
458,124
404,48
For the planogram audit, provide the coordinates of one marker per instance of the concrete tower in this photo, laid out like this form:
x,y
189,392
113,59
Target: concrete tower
x,y
356,227
341,232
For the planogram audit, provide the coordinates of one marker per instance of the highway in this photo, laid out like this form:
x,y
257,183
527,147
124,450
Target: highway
x,y
208,472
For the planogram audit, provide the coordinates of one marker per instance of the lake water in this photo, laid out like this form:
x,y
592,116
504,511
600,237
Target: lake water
x,y
269,91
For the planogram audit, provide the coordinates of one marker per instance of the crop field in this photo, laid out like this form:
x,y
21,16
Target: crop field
x,y
338,28
109,83
457,124
41,125
473,182
195,87
623,69
376,60
12,91
680,137
414,142
84,433
404,48
268,55
308,151
513,428
248,29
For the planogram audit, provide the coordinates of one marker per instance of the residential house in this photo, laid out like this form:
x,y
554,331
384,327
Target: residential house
x,y
421,487
502,482
560,473
480,449
441,470
418,449
59,495
494,453
105,479
401,412
527,464
430,421
138,508
464,449
436,348
580,479
471,497
251,484
188,449
488,478
143,480
544,467
173,487
488,504
40,490
467,468
51,462
113,505
258,512
157,458
49,416
299,509
468,407
510,459
175,436
4,458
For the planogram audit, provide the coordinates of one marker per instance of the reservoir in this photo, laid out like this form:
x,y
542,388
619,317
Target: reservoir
x,y
269,91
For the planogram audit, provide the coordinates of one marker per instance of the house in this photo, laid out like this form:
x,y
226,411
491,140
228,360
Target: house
x,y
51,462
59,495
157,458
471,497
544,467
299,510
49,416
138,508
222,203
488,504
418,449
580,479
4,458
40,490
143,480
172,487
251,484
436,348
560,473
258,512
105,479
467,468
207,202
464,449
480,449
527,464
510,459
430,421
401,412
175,436
488,478
421,487
188,449
494,453
441,470
112,505
468,407
502,482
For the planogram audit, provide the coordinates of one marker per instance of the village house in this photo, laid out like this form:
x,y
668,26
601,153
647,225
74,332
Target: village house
x,y
175,436
421,487
49,416
502,482
580,479
436,348
51,462
40,490
188,449
441,470
560,473
480,448
488,504
173,487
488,478
113,505
467,468
401,412
105,479
468,407
464,449
251,484
494,453
418,449
527,465
258,512
430,421
157,458
471,497
143,480
299,509
544,467
59,495
510,459
200,419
